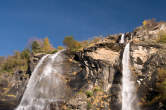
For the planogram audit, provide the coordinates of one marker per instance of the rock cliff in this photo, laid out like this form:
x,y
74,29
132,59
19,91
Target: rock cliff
x,y
94,73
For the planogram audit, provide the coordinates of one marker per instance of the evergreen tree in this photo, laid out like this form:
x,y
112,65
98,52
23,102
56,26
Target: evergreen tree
x,y
35,46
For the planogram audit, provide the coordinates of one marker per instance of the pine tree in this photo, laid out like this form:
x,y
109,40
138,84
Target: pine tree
x,y
35,46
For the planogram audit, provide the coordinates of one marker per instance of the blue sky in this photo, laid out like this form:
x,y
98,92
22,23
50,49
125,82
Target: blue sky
x,y
21,20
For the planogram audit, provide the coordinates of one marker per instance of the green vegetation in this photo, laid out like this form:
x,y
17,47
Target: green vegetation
x,y
35,46
161,88
89,93
97,88
43,46
162,37
74,45
149,23
47,47
89,105
60,48
162,84
25,54
19,61
71,44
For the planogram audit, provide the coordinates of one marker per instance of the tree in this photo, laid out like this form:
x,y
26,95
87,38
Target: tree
x,y
70,43
47,47
35,46
17,54
25,54
149,23
60,48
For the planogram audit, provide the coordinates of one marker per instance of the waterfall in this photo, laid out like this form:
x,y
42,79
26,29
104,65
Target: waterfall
x,y
128,85
122,39
45,85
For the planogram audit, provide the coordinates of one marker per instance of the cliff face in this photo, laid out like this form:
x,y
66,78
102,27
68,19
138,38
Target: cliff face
x,y
147,61
94,73
102,70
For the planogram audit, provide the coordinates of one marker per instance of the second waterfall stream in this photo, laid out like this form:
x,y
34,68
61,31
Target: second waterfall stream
x,y
45,85
128,84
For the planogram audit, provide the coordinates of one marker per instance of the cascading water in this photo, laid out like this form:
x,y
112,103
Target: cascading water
x,y
122,39
128,85
45,85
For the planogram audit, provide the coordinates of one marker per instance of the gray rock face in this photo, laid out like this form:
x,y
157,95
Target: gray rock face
x,y
94,73
12,87
101,66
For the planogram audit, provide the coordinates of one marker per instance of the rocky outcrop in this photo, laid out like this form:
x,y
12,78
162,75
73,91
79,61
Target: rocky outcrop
x,y
11,89
101,68
12,85
93,75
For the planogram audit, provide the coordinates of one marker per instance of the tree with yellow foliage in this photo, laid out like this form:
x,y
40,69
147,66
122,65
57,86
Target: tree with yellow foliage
x,y
60,48
71,44
47,47
149,23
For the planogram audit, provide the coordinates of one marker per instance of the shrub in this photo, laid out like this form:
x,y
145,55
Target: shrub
x,y
60,48
162,89
162,37
96,39
97,88
71,44
162,83
25,54
15,62
35,46
47,47
84,43
54,51
89,105
89,93
149,23
41,45
162,74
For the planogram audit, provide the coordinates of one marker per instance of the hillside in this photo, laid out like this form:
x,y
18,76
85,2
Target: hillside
x,y
92,72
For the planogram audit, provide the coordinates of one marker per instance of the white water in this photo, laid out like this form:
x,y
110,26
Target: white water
x,y
128,87
122,39
45,85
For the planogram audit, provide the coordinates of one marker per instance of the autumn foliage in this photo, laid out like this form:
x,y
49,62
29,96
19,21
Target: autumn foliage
x,y
71,44
41,45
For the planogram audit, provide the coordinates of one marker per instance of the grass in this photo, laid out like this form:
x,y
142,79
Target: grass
x,y
89,93
89,105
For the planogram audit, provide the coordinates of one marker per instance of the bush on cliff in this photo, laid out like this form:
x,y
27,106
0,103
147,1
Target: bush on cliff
x,y
19,61
41,46
162,37
71,44
47,47
74,45
16,62
25,54
161,85
149,23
